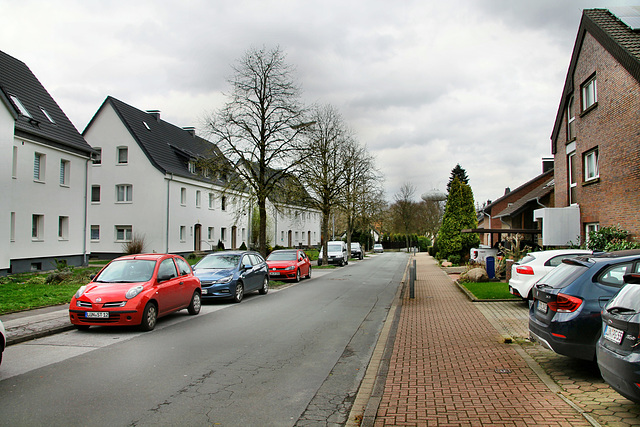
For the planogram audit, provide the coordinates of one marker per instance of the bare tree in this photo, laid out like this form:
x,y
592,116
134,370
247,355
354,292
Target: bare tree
x,y
323,164
404,210
259,127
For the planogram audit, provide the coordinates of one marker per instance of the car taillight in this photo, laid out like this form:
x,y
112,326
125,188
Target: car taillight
x,y
524,269
565,304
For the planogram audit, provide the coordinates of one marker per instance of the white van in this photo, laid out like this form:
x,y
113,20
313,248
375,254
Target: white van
x,y
337,253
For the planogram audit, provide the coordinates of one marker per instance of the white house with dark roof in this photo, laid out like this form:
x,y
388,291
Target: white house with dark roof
x,y
45,165
146,183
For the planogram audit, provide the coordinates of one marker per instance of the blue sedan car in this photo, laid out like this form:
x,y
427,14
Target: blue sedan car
x,y
231,274
565,314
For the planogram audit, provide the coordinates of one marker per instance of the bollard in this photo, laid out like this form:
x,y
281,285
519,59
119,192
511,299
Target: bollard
x,y
412,280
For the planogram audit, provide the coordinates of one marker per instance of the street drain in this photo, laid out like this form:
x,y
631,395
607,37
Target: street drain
x,y
502,371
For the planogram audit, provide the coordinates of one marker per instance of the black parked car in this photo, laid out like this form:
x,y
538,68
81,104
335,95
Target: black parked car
x,y
565,314
618,350
231,274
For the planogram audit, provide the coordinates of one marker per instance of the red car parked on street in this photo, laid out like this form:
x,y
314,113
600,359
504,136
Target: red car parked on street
x,y
289,264
136,290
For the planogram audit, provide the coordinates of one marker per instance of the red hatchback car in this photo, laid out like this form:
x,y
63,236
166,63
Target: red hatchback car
x,y
136,290
289,264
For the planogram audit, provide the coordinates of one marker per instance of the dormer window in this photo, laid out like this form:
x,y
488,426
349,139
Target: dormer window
x,y
21,108
192,167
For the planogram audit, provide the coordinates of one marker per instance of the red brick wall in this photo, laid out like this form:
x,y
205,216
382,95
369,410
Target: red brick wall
x,y
613,126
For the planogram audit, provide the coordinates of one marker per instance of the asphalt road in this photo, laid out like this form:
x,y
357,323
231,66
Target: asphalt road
x,y
292,357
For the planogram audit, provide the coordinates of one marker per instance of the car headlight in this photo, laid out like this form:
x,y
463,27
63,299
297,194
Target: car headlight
x,y
291,267
225,279
81,291
133,292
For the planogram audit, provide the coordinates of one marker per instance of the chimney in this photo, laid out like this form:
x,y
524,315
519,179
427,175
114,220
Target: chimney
x,y
507,191
190,129
547,164
155,114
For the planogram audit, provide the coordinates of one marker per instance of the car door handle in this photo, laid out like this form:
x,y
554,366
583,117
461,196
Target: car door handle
x,y
182,283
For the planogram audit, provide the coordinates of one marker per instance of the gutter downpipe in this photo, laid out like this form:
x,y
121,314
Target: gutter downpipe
x,y
85,257
168,211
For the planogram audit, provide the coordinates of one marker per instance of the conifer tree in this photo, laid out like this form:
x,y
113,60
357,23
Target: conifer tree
x,y
459,214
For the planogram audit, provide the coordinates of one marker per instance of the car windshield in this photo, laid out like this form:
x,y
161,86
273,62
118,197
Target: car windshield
x,y
219,261
282,256
334,248
563,275
127,271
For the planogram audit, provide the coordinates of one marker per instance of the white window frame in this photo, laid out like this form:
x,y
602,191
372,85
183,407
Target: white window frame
x,y
93,187
192,167
571,120
572,177
126,191
39,166
97,159
198,198
183,196
47,115
65,169
589,91
183,233
14,163
124,233
210,233
37,227
588,227
63,228
212,201
590,161
12,227
223,234
21,108
95,228
120,159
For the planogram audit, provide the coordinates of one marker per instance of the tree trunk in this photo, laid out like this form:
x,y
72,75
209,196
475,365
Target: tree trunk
x,y
262,235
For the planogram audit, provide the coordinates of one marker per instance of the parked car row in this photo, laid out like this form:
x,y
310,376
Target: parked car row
x,y
587,308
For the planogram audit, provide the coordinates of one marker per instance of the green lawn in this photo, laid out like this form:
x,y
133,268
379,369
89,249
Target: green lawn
x,y
489,290
30,290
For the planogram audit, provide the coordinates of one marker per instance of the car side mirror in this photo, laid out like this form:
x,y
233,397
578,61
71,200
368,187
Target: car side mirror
x,y
247,267
164,277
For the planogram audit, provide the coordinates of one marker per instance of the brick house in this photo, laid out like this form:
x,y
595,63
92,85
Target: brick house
x,y
596,134
513,212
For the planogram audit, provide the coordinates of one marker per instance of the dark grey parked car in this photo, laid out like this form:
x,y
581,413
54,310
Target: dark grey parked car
x,y
618,350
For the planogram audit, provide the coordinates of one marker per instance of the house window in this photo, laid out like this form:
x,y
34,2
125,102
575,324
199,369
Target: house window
x,y
14,163
589,92
223,234
589,228
198,197
12,233
183,196
573,176
37,227
97,157
123,233
95,232
21,108
571,121
124,193
63,227
223,203
39,162
123,155
183,233
95,194
282,236
212,199
47,115
192,167
210,233
64,172
591,165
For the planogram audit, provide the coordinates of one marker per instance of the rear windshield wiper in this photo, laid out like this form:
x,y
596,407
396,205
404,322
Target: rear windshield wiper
x,y
621,310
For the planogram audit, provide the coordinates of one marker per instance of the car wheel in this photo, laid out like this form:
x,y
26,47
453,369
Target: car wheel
x,y
342,263
265,286
82,327
239,294
309,273
361,256
297,275
149,317
196,304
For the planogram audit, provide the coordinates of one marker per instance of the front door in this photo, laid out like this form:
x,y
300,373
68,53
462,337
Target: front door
x,y
197,237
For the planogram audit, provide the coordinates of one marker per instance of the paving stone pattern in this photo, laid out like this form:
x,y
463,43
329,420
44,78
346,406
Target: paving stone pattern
x,y
450,366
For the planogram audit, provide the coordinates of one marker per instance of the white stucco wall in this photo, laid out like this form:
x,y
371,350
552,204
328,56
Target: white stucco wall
x,y
156,210
25,197
303,225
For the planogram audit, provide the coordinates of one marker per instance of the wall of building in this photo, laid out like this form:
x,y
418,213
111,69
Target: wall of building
x,y
612,128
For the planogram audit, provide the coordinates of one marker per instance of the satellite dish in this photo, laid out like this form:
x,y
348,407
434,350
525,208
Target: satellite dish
x,y
434,195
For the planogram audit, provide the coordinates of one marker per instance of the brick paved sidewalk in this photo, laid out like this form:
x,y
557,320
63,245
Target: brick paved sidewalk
x,y
449,366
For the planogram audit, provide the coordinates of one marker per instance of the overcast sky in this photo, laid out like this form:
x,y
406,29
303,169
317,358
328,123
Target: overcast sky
x,y
424,84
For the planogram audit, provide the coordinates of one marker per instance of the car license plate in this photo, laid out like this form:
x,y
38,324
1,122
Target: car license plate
x,y
542,307
613,334
97,314
273,273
